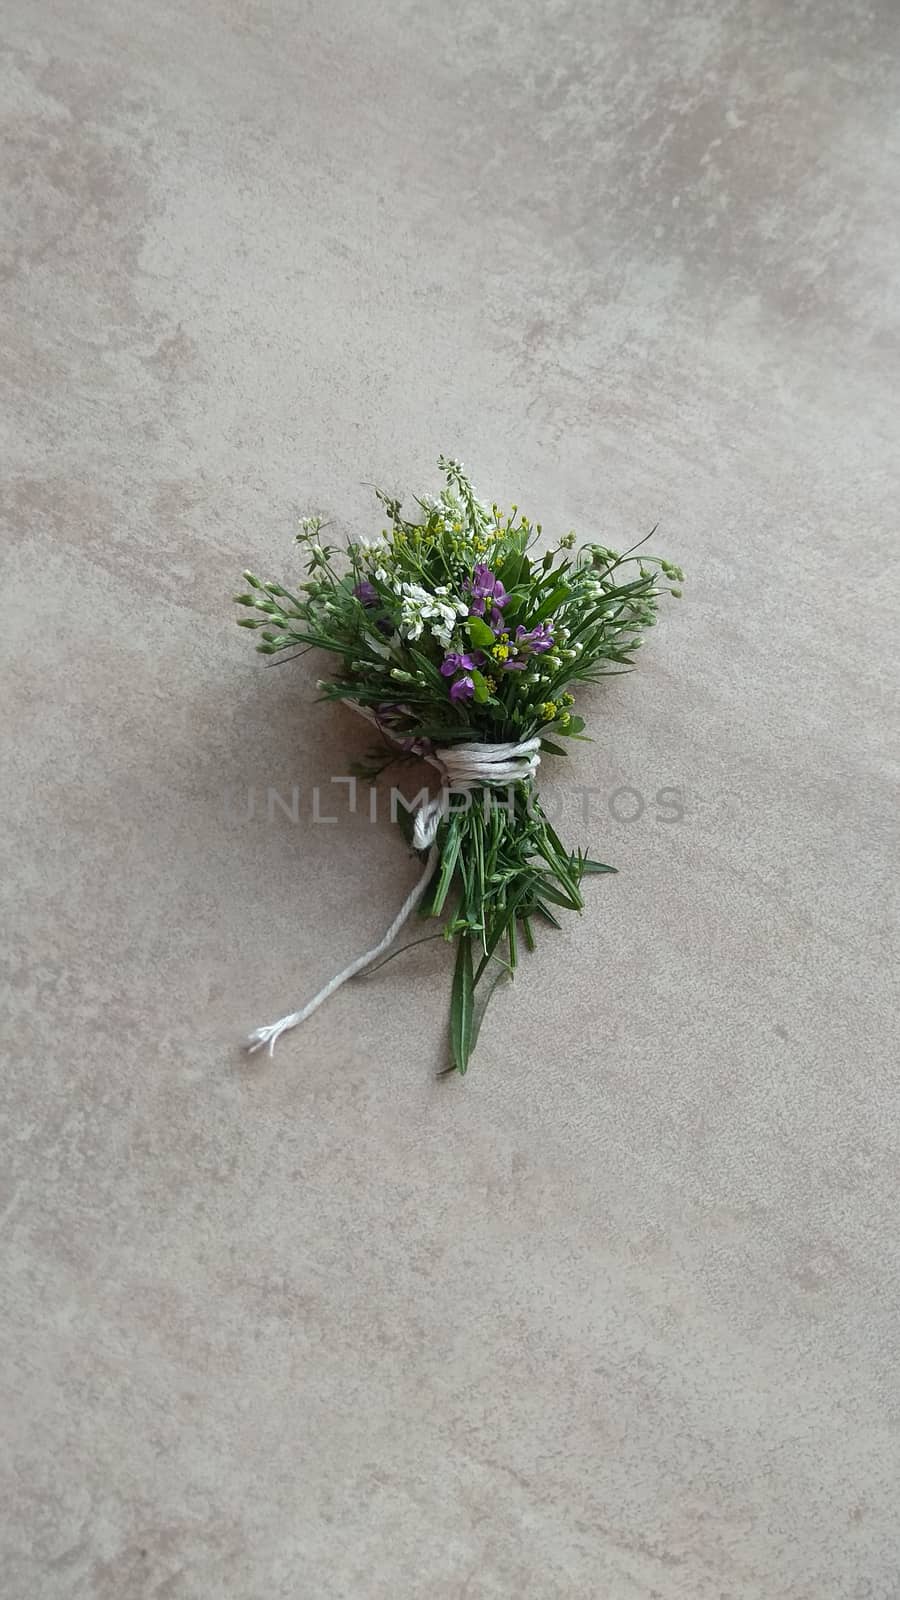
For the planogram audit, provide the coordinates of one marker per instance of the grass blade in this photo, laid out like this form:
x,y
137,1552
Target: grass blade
x,y
462,1009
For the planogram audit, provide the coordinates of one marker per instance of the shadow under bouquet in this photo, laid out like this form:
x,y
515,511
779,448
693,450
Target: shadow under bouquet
x,y
463,648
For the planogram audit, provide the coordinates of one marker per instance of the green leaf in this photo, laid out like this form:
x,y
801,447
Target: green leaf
x,y
428,670
551,604
449,859
549,891
481,688
479,633
462,1008
502,971
544,911
553,749
589,867
500,924
511,569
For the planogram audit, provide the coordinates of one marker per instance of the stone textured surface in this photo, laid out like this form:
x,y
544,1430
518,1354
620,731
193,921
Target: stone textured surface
x,y
617,1316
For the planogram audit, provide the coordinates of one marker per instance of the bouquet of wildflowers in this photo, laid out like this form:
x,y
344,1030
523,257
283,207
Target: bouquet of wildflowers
x,y
464,648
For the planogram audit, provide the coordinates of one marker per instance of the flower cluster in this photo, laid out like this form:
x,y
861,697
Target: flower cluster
x,y
503,650
450,628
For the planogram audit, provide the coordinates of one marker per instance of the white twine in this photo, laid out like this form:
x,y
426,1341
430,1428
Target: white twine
x,y
463,767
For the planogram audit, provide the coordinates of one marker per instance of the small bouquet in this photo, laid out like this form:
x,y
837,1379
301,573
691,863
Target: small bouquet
x,y
463,649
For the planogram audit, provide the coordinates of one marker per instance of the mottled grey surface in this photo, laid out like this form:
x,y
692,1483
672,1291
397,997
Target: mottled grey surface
x,y
618,1316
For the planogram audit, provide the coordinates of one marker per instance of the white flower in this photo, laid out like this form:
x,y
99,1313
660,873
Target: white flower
x,y
412,612
419,609
375,550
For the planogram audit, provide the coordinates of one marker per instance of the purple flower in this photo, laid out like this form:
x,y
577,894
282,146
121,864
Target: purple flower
x,y
454,662
484,586
512,650
485,583
366,593
495,620
538,640
462,688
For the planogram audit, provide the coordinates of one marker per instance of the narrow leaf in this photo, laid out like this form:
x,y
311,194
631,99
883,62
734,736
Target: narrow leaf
x,y
501,972
462,1005
551,604
448,862
547,914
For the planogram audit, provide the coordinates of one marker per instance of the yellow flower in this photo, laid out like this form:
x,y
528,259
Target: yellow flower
x,y
500,652
547,711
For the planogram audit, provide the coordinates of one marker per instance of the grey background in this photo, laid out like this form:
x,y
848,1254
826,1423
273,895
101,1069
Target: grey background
x,y
618,1315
